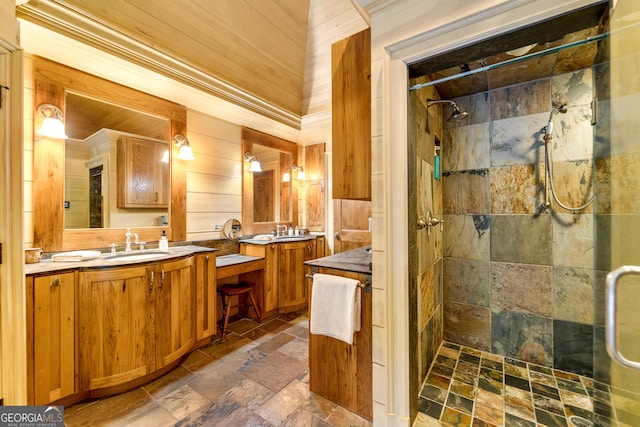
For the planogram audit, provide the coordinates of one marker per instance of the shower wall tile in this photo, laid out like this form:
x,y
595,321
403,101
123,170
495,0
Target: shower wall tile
x,y
520,100
521,239
522,287
467,325
466,191
599,300
573,347
517,189
625,125
572,134
477,105
424,186
467,281
571,89
522,336
518,140
466,147
430,339
603,365
426,298
573,240
467,236
573,183
609,172
573,294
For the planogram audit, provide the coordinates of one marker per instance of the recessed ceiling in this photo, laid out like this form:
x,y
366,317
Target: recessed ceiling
x,y
559,31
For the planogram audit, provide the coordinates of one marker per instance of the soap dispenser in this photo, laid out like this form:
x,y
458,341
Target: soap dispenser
x,y
163,243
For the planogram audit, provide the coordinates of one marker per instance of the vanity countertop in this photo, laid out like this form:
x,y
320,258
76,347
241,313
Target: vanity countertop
x,y
47,266
263,239
356,260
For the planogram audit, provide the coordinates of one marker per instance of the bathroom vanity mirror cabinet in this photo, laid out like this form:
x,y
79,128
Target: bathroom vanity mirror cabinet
x,y
266,199
52,83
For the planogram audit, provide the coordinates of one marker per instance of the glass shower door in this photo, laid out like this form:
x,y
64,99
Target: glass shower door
x,y
617,216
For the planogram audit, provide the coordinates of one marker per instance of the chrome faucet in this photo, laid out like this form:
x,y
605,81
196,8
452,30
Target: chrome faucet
x,y
284,231
128,235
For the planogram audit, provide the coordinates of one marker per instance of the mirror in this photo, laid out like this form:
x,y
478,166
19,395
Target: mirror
x,y
266,198
271,195
52,82
91,188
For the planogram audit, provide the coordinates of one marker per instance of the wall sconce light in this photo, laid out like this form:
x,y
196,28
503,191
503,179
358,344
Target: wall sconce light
x,y
165,157
185,153
52,125
300,176
286,177
254,163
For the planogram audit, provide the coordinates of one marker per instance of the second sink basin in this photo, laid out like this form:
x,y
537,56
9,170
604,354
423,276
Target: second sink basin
x,y
139,256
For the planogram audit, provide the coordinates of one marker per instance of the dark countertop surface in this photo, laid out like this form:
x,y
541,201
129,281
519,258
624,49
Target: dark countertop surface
x,y
356,260
121,259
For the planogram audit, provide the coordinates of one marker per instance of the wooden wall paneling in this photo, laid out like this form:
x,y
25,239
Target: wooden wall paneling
x,y
315,201
351,117
48,172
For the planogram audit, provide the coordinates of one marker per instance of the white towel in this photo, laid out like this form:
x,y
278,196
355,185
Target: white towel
x,y
335,307
76,256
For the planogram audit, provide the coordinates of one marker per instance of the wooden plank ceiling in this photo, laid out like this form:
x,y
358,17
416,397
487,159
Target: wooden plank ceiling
x,y
256,46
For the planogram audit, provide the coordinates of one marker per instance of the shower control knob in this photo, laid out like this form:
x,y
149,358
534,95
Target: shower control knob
x,y
421,223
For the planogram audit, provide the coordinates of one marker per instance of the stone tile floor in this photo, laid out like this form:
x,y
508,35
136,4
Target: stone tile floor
x,y
257,377
467,387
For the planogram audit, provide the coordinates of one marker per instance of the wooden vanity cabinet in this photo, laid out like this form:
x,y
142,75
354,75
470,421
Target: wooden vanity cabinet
x,y
143,179
175,306
134,321
51,323
206,325
268,295
292,292
116,325
284,287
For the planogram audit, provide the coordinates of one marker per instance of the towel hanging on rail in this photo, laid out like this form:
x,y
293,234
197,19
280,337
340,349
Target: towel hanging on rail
x,y
335,307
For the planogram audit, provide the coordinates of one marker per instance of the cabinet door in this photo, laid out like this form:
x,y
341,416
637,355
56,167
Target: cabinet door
x,y
292,293
268,295
205,295
351,117
116,325
143,179
53,337
175,305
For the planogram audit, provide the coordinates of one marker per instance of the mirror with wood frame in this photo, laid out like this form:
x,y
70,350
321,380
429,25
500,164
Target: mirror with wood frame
x,y
267,199
95,184
54,83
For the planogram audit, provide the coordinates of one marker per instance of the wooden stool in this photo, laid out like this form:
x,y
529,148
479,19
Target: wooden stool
x,y
229,290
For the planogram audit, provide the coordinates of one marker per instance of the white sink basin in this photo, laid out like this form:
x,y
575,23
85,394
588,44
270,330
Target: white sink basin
x,y
141,256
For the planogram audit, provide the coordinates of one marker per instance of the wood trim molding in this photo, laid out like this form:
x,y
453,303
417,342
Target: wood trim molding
x,y
51,82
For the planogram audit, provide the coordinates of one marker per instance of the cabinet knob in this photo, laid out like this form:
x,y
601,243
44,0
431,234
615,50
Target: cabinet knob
x,y
206,258
55,282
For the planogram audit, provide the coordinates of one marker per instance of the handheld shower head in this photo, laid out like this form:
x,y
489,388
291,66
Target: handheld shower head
x,y
456,115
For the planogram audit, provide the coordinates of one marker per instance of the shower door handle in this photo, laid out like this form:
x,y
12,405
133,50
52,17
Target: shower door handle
x,y
611,327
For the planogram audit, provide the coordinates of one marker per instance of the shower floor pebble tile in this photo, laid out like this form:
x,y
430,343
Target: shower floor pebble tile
x,y
468,387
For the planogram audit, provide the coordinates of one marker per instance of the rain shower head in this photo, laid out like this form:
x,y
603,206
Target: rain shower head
x,y
456,115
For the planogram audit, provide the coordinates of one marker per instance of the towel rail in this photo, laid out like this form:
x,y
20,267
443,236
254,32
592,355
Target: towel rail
x,y
360,285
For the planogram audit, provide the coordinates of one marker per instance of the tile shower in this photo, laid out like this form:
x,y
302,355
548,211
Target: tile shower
x,y
507,277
